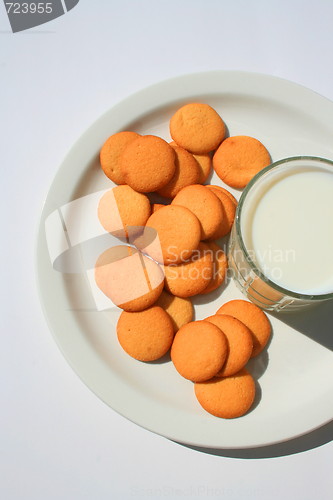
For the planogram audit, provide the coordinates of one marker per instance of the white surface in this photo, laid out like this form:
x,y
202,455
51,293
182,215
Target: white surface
x,y
154,395
57,439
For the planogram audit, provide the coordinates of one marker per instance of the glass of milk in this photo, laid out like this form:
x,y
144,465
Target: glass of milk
x,y
281,245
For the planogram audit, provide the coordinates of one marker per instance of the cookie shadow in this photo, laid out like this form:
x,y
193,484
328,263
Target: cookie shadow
x,y
258,396
210,297
215,294
160,361
258,365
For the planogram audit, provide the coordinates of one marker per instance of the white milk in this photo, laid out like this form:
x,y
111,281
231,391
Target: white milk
x,y
287,227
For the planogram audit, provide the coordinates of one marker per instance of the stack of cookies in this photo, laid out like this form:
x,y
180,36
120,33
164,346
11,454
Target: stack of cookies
x,y
213,354
168,252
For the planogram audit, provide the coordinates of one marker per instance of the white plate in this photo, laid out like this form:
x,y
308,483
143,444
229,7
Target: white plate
x,y
295,374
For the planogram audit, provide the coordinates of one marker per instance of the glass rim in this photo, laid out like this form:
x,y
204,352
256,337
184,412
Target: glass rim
x,y
254,268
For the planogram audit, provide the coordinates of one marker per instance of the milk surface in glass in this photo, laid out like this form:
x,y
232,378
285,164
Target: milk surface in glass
x,y
287,228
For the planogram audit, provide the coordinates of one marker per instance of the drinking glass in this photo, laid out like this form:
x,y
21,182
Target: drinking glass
x,y
248,277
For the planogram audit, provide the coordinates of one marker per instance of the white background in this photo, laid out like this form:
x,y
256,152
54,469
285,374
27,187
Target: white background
x,y
58,440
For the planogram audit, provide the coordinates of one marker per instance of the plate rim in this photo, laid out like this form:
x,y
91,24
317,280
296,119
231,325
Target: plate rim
x,y
154,90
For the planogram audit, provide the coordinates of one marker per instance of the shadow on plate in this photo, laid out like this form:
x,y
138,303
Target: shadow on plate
x,y
210,297
258,365
315,322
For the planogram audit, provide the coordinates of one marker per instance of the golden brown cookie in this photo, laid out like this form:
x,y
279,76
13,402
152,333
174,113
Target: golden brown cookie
x,y
229,212
178,231
156,206
204,163
122,211
131,280
187,172
252,317
205,205
192,277
111,152
240,158
240,343
146,335
148,163
199,350
205,166
197,127
180,310
225,191
227,397
220,267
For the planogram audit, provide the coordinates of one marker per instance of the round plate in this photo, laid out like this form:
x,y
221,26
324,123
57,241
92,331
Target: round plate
x,y
295,373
